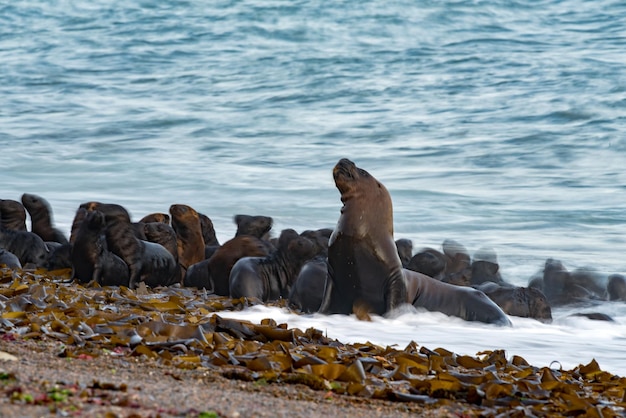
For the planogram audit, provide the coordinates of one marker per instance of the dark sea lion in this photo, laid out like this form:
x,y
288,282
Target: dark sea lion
x,y
156,217
256,226
59,256
221,263
458,267
320,238
270,278
364,269
591,280
405,250
158,266
77,222
430,262
198,275
110,210
9,260
561,289
162,233
186,224
616,287
525,302
12,215
308,289
485,267
122,241
41,218
461,301
90,256
28,247
208,231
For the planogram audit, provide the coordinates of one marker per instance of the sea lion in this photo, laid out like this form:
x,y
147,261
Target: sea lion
x,y
560,288
208,231
458,267
320,238
77,222
430,262
308,289
9,260
41,218
198,275
616,287
90,256
186,224
405,250
221,263
12,215
525,302
364,269
485,267
270,278
110,210
256,226
164,234
461,301
156,217
59,256
28,247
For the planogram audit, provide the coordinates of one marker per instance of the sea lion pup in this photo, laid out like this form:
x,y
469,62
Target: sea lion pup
x,y
270,278
218,267
308,289
405,250
364,269
12,215
458,268
156,217
430,262
9,260
90,256
147,261
41,218
616,287
186,224
463,302
28,247
256,226
485,267
525,302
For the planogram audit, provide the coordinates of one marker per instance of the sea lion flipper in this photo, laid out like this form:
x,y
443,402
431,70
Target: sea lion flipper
x,y
396,291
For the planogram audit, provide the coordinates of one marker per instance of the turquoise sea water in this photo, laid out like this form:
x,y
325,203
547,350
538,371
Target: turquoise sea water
x,y
495,123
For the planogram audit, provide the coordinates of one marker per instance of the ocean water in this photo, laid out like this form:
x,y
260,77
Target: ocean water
x,y
496,123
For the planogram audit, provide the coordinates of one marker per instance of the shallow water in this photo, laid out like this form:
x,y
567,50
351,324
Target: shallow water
x,y
493,123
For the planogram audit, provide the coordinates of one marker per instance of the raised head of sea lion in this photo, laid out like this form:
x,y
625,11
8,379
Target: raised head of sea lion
x,y
364,268
208,231
405,250
111,211
12,215
430,262
156,217
41,218
186,224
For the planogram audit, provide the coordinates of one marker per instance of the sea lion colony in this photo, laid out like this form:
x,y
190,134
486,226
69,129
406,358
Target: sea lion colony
x,y
357,267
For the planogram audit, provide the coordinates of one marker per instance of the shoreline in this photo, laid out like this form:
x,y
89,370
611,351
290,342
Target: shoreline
x,y
121,352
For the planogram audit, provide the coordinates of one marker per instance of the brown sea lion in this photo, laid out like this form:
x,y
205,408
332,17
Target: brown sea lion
x,y
186,224
270,278
156,217
461,301
12,215
616,287
525,302
256,226
364,268
110,210
458,267
90,256
221,263
41,218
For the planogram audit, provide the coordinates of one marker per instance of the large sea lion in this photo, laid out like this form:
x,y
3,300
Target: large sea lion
x,y
460,301
364,269
12,215
270,278
186,224
41,218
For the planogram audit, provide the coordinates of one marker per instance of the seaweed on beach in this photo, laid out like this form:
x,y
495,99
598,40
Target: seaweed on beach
x,y
181,328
